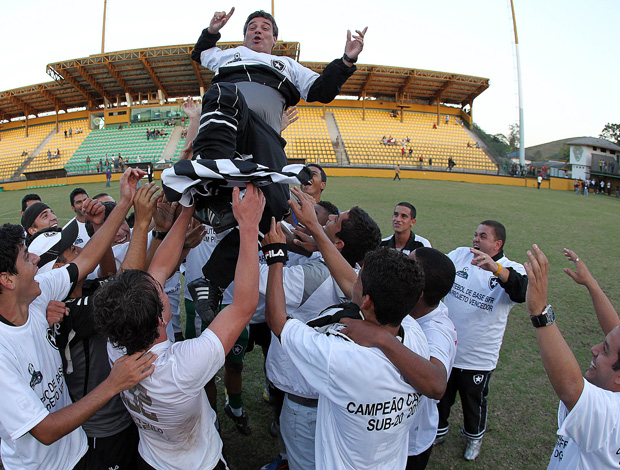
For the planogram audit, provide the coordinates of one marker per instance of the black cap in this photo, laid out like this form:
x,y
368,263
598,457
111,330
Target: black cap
x,y
32,213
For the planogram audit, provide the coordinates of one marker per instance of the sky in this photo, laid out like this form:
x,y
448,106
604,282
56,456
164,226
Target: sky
x,y
567,48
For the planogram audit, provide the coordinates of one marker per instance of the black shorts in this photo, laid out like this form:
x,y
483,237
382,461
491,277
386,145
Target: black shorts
x,y
259,334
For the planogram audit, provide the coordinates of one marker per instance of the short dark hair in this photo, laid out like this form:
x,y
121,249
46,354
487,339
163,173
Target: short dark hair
x,y
499,229
360,234
27,198
127,310
329,207
261,14
97,196
410,206
439,274
394,282
76,192
320,168
11,240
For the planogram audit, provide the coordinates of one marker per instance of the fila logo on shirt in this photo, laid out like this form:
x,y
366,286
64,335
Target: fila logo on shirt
x,y
478,379
274,253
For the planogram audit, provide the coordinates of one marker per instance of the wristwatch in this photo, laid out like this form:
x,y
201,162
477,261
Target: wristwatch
x,y
348,59
159,235
547,317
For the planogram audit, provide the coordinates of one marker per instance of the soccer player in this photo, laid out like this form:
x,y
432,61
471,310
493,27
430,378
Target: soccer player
x,y
403,220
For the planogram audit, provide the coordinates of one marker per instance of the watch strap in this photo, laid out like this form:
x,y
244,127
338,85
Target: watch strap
x,y
547,317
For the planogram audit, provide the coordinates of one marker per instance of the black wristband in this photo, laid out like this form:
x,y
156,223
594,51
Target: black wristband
x,y
348,59
158,235
275,253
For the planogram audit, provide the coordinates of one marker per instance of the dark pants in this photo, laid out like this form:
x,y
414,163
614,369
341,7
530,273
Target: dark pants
x,y
473,388
228,130
119,451
420,461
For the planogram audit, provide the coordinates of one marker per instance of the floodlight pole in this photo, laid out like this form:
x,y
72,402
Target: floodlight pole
x,y
273,10
105,4
521,130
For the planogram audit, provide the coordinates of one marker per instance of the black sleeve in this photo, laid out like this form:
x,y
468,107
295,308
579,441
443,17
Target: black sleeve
x,y
205,41
74,273
326,87
515,286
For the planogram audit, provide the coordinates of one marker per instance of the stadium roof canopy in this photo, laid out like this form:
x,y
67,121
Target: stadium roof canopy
x,y
169,72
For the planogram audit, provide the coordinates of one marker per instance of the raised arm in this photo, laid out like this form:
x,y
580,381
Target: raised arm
x,y
143,204
192,110
275,302
558,359
229,323
339,268
167,256
605,311
211,34
89,257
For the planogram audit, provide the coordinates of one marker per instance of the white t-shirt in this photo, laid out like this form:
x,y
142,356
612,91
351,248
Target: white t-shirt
x,y
309,289
441,336
33,385
589,436
365,406
170,407
479,307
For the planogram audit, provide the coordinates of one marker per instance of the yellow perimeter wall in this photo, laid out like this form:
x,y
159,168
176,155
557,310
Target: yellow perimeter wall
x,y
561,184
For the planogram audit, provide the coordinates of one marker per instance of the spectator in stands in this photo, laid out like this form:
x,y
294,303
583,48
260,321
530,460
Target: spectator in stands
x,y
37,217
65,133
49,155
421,161
28,200
434,125
451,163
71,133
609,188
396,172
602,186
403,220
447,119
410,152
430,161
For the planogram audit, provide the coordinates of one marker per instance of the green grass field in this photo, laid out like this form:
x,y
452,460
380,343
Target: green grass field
x,y
522,412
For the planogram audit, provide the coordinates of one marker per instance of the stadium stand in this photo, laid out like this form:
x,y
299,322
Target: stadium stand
x,y
13,144
309,138
363,140
130,142
66,145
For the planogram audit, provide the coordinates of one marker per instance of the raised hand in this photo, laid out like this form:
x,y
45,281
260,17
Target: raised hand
x,y
355,44
128,184
94,212
581,274
275,234
537,274
249,210
289,116
144,203
191,109
220,18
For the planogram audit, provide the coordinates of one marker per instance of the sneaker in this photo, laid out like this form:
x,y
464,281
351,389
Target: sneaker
x,y
240,421
217,212
440,440
207,298
277,464
266,396
473,449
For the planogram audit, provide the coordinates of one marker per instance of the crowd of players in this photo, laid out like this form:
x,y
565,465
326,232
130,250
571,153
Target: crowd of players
x,y
367,341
